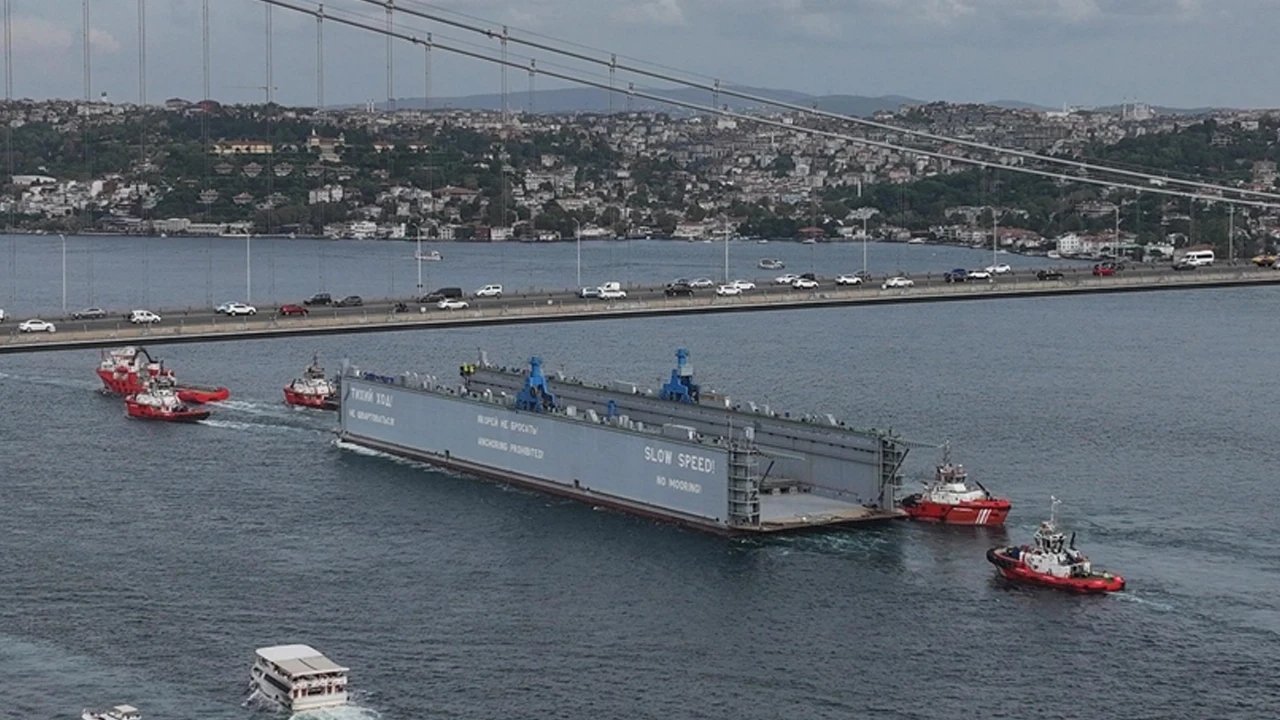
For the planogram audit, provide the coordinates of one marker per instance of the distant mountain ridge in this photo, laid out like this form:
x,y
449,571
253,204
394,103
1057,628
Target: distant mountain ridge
x,y
592,100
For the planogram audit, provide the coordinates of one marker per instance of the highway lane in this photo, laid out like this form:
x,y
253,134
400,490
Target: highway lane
x,y
765,286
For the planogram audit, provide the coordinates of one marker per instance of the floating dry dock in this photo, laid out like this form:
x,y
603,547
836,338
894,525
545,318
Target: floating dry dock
x,y
677,454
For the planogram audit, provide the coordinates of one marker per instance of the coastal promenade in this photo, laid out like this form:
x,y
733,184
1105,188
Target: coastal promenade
x,y
203,325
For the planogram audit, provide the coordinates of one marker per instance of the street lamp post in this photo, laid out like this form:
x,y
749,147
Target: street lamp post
x,y
1115,243
248,274
577,233
64,273
865,216
417,255
1231,234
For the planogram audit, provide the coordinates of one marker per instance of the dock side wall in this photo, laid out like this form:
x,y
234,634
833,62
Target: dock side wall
x,y
659,472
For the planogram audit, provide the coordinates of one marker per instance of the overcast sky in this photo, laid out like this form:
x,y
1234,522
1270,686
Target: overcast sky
x,y
1082,52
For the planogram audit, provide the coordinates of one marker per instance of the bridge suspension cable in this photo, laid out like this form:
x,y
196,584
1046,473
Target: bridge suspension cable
x,y
409,7
653,96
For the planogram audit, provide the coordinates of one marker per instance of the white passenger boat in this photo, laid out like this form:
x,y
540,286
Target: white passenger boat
x,y
119,712
298,678
428,256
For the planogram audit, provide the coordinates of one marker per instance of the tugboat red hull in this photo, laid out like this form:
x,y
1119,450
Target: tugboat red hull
x,y
202,395
1014,570
309,400
130,384
148,412
973,512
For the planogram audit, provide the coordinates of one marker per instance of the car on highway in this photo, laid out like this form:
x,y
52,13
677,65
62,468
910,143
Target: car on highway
x,y
678,289
452,304
848,280
292,309
589,292
452,293
319,299
1,314
701,283
898,282
803,283
786,279
350,301
999,269
1264,260
1103,271
93,313
236,308
1183,266
728,290
493,291
980,275
222,309
743,285
612,291
1049,275
679,281
956,275
143,317
36,325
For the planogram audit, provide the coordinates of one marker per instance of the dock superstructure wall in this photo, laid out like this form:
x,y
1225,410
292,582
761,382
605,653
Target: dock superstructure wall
x,y
656,475
854,464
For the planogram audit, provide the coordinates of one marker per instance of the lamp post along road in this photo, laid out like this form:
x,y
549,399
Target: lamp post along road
x,y
64,273
577,233
248,274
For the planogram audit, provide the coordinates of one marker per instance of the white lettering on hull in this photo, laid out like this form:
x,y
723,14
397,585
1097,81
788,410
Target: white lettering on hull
x,y
684,461
373,417
515,448
681,485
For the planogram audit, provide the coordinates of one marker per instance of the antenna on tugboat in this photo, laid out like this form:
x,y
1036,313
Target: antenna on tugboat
x,y
1053,510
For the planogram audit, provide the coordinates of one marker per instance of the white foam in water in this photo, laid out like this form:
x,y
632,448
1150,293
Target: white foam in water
x,y
254,426
347,712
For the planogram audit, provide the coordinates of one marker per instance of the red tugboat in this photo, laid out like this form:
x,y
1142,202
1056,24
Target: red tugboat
x,y
159,402
313,389
1052,562
951,500
128,370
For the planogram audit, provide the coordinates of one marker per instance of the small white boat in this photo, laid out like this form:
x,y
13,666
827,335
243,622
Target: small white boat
x,y
763,241
429,256
808,241
298,678
119,712
1054,255
771,264
916,241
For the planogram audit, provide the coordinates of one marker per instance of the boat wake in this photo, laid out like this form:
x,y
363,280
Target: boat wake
x,y
257,427
50,381
347,712
1138,599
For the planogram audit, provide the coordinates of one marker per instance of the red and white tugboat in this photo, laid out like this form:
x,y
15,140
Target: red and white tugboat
x,y
1053,562
313,389
950,499
129,370
159,402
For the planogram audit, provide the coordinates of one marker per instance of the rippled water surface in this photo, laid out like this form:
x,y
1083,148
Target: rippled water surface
x,y
143,563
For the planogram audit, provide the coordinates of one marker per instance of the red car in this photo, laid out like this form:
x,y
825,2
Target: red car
x,y
1103,270
292,310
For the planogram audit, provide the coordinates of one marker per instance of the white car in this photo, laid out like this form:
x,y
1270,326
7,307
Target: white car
x,y
452,304
1,314
728,290
36,326
222,309
493,291
612,294
979,275
999,269
701,283
743,284
848,280
785,279
143,317
898,282
235,308
804,284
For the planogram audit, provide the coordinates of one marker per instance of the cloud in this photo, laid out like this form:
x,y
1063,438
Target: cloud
x,y
653,12
34,34
103,41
